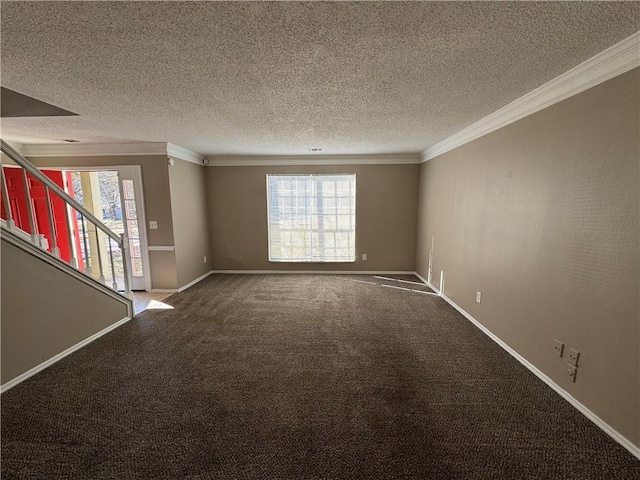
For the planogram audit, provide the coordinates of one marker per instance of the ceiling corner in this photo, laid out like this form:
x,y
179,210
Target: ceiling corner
x,y
177,152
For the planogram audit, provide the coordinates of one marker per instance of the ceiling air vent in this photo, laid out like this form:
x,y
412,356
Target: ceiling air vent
x,y
314,149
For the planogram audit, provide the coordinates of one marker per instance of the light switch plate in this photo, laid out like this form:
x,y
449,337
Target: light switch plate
x,y
572,372
479,297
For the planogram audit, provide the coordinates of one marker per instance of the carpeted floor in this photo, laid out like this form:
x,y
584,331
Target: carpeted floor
x,y
298,377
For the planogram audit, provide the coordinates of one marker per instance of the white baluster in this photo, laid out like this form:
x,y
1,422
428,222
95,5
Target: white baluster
x,y
52,226
100,269
5,198
32,224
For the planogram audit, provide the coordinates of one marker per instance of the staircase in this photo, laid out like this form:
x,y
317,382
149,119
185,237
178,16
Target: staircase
x,y
79,260
58,291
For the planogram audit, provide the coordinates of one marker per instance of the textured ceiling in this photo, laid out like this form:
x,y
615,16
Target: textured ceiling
x,y
279,78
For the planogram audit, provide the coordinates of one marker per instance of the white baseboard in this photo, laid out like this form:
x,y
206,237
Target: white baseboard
x,y
60,356
314,272
608,429
190,284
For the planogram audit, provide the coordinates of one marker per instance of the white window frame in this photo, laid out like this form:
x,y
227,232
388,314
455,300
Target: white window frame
x,y
284,260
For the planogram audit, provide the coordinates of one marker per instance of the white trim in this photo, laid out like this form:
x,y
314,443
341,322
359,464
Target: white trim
x,y
164,290
161,248
142,219
61,355
109,150
305,160
18,232
312,272
93,149
614,61
192,283
177,152
608,429
181,153
134,173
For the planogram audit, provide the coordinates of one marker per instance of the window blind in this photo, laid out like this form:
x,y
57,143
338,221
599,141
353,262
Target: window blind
x,y
312,218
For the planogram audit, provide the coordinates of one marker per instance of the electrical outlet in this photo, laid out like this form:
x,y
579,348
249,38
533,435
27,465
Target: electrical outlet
x,y
364,256
479,297
573,356
153,225
205,259
558,347
572,372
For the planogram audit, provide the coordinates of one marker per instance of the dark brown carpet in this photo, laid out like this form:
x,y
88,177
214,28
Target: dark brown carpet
x,y
298,377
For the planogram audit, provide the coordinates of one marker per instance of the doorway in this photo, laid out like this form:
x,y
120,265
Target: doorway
x,y
114,195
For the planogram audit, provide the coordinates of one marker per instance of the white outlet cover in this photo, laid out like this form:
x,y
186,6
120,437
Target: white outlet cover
x,y
364,256
153,225
479,297
573,356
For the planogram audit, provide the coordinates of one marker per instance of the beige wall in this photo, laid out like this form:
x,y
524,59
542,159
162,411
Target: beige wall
x,y
190,220
164,272
542,216
45,311
386,208
155,183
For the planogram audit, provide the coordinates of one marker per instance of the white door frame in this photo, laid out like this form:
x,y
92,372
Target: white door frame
x,y
135,171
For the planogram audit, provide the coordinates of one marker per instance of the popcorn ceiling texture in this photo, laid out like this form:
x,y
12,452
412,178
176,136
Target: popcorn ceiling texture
x,y
279,78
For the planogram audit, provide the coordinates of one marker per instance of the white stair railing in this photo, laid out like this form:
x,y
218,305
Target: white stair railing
x,y
51,245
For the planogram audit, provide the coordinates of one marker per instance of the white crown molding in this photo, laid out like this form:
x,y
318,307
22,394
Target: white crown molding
x,y
109,150
93,149
614,61
177,152
304,160
181,153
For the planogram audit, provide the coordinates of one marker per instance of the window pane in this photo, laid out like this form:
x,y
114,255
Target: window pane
x,y
134,245
133,228
130,208
137,267
127,188
311,218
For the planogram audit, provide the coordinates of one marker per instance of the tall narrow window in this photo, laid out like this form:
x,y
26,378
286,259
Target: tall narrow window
x,y
312,218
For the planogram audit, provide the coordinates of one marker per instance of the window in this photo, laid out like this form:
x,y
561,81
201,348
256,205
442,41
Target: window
x,y
312,218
